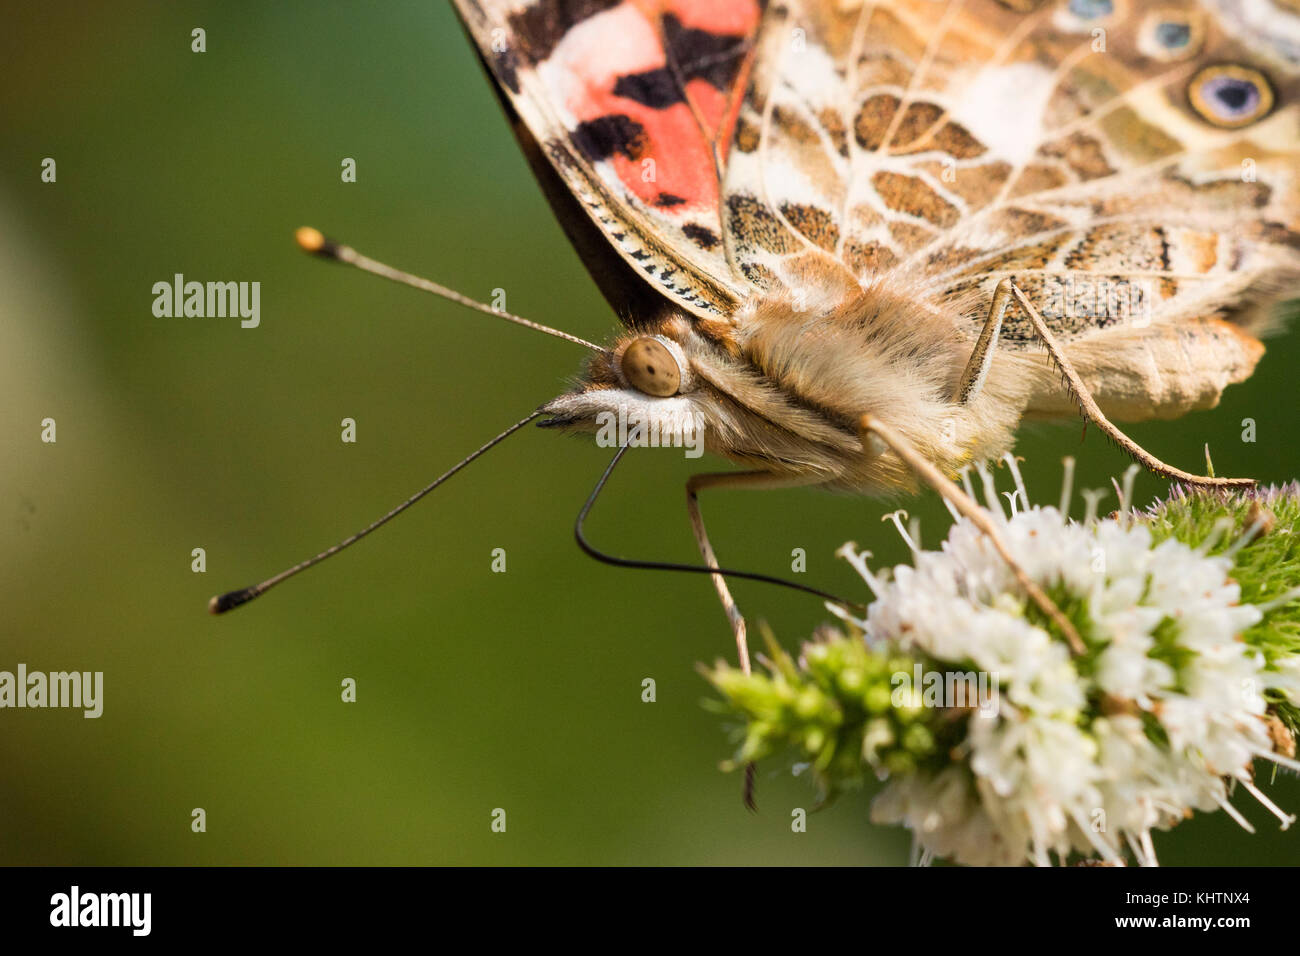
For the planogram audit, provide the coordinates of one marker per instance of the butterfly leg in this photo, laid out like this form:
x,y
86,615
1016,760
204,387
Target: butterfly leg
x,y
932,476
1092,411
732,479
981,357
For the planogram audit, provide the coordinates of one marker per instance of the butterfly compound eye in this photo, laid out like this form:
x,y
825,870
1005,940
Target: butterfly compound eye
x,y
650,367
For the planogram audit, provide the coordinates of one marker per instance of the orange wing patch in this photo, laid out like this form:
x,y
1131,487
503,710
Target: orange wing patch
x,y
651,94
634,104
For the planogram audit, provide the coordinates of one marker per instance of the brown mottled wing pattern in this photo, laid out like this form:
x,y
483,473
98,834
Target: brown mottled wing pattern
x,y
633,105
1127,163
1135,167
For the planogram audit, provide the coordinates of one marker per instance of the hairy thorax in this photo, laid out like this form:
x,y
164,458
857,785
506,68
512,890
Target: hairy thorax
x,y
783,385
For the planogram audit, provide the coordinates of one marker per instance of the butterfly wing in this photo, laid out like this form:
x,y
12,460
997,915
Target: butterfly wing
x,y
1135,169
632,104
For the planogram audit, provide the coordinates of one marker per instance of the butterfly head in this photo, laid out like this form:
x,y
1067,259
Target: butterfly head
x,y
646,389
673,383
782,386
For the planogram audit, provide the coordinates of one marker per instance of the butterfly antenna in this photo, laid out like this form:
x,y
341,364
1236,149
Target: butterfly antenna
x,y
311,240
233,599
602,556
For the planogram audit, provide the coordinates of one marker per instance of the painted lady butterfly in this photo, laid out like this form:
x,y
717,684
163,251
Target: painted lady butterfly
x,y
861,241
834,219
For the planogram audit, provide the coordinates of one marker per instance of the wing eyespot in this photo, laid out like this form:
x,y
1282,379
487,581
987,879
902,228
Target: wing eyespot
x,y
1170,34
1230,96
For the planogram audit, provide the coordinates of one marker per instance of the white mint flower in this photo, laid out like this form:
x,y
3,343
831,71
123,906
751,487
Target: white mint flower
x,y
1084,753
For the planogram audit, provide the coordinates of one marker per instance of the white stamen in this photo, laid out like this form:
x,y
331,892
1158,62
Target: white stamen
x,y
849,552
1010,459
1234,813
1286,818
1067,486
1092,497
845,616
902,532
1126,497
1149,847
966,482
914,529
990,491
1138,853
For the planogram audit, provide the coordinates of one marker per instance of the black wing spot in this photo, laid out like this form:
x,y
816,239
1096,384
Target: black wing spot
x,y
699,54
703,237
604,136
654,88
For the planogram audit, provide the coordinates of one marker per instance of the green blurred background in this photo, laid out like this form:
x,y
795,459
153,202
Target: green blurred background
x,y
475,690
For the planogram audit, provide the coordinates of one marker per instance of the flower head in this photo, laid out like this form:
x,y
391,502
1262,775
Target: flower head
x,y
1162,713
